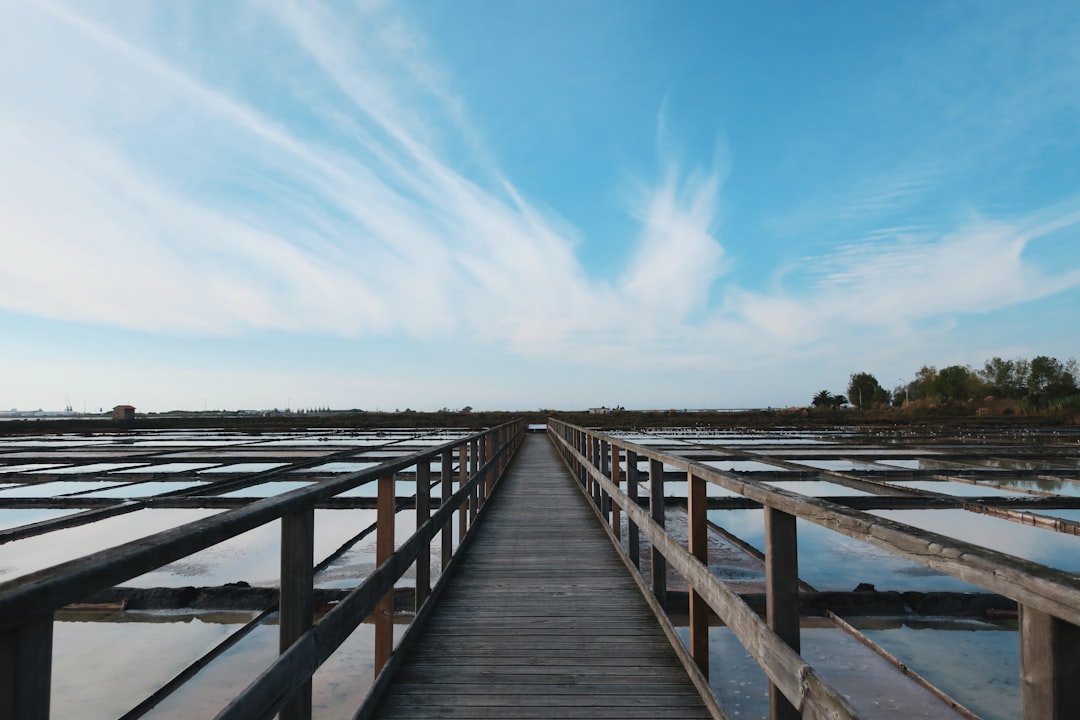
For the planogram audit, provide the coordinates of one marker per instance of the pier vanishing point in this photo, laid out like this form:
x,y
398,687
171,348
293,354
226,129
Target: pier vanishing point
x,y
560,573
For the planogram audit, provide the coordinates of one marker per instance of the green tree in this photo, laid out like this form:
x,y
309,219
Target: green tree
x,y
865,391
957,382
823,398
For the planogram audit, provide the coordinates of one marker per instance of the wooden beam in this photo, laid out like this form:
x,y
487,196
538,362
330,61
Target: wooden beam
x,y
633,540
423,513
384,548
657,511
1049,666
296,596
447,475
782,595
26,670
698,541
616,479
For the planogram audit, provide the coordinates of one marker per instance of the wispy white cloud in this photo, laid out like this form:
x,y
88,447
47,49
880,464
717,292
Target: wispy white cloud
x,y
161,201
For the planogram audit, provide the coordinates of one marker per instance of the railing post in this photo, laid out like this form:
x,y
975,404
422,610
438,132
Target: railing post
x,y
598,492
475,496
616,478
1049,666
423,513
489,455
633,543
446,472
605,470
296,596
698,536
463,479
656,509
384,548
782,595
26,670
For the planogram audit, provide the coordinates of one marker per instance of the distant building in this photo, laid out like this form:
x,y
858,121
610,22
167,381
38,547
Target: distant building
x,y
599,411
123,413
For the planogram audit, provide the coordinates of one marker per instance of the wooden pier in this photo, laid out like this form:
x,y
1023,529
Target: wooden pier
x,y
544,584
541,619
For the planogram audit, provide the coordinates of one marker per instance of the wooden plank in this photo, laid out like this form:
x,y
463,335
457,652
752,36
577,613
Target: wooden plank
x,y
384,548
26,670
698,539
657,513
782,595
540,618
297,596
447,474
423,513
633,538
1049,666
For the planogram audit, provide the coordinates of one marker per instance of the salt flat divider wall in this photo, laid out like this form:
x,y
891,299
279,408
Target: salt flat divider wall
x,y
1049,598
27,604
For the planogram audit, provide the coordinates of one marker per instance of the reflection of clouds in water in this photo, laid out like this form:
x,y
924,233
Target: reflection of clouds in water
x,y
1036,544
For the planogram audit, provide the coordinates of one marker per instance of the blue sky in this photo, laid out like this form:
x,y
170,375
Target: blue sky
x,y
519,205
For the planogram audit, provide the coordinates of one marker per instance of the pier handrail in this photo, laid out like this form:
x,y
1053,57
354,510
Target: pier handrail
x,y
1049,598
27,603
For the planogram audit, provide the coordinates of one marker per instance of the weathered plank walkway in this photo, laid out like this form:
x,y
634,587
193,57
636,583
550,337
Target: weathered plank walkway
x,y
541,619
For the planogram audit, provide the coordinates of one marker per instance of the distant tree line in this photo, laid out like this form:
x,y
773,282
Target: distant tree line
x,y
1041,383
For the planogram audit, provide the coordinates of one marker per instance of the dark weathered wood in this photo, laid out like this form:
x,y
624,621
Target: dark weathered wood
x,y
698,541
616,478
782,595
447,475
26,670
1049,666
463,480
540,618
633,540
657,513
297,598
423,512
384,548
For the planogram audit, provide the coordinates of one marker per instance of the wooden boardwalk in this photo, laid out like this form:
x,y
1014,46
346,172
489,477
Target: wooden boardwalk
x,y
541,619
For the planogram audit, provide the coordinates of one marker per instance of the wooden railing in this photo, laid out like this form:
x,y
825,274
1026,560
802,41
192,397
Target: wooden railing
x,y
1049,599
27,604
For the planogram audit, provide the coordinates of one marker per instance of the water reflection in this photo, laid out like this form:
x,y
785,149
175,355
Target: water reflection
x,y
978,664
831,561
102,668
1036,544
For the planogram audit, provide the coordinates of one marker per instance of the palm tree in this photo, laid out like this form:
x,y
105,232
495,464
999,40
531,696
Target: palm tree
x,y
823,399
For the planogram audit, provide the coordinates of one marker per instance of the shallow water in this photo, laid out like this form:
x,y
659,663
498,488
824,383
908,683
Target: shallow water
x,y
831,561
101,669
979,668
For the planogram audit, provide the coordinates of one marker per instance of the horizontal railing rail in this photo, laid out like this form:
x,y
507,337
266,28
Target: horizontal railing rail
x,y
1049,598
28,603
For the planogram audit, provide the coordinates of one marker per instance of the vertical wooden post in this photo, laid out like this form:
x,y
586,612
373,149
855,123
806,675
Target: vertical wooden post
x,y
656,508
384,548
698,535
598,493
423,514
446,472
633,542
616,478
474,496
782,595
589,457
26,670
296,596
463,479
489,455
605,470
1049,666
